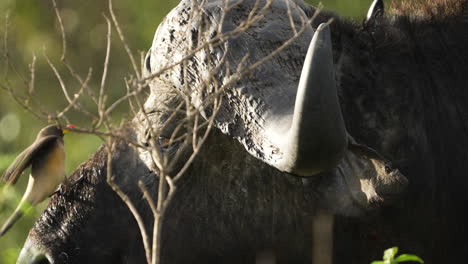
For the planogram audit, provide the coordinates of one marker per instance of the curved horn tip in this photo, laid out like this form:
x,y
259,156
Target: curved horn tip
x,y
376,9
322,26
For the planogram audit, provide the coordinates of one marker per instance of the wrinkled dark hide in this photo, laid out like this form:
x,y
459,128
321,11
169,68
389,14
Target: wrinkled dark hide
x,y
408,100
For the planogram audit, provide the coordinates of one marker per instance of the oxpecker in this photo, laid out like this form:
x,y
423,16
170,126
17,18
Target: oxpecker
x,y
46,156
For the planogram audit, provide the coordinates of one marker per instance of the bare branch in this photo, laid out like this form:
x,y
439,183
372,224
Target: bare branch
x,y
62,30
291,20
106,63
32,70
108,135
132,107
77,77
195,151
123,99
122,39
110,180
23,102
59,78
147,197
101,100
77,96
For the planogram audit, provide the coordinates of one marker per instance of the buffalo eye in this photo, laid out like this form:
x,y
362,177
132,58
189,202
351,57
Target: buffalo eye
x,y
148,62
388,168
164,143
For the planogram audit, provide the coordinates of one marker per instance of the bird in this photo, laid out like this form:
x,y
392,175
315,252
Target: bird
x,y
46,156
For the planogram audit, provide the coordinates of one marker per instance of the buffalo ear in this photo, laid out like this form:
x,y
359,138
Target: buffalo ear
x,y
361,183
376,10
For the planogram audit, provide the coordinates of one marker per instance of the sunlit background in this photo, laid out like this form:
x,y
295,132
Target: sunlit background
x,y
33,30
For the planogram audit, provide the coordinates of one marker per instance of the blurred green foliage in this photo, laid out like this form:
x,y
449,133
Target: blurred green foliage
x,y
33,30
390,257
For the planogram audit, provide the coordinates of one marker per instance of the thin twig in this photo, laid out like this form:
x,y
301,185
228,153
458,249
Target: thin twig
x,y
59,78
109,134
195,151
123,99
62,30
22,102
147,197
77,96
291,20
132,107
6,56
122,39
126,200
106,61
101,101
88,89
32,70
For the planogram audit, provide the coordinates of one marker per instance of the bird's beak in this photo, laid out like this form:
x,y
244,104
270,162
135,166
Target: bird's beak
x,y
67,129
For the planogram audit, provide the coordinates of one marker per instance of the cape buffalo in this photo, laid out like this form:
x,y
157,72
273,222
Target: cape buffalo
x,y
374,102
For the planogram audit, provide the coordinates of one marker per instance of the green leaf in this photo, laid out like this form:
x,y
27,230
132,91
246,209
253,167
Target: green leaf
x,y
378,262
390,253
408,257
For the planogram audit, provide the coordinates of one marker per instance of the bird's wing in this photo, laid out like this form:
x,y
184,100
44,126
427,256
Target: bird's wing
x,y
25,158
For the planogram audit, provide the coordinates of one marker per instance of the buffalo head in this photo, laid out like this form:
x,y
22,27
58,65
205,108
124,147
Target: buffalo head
x,y
279,149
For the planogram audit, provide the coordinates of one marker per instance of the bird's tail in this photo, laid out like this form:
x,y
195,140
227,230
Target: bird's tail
x,y
13,218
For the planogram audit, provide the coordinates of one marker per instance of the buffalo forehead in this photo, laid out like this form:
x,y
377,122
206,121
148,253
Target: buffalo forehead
x,y
267,92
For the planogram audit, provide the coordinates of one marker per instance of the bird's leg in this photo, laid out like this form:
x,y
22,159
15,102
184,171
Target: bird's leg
x,y
80,179
59,190
62,188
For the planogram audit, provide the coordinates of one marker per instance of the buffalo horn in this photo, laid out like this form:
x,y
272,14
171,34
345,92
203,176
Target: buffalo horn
x,y
316,140
375,10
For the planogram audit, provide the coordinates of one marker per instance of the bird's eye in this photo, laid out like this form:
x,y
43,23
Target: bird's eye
x,y
148,62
